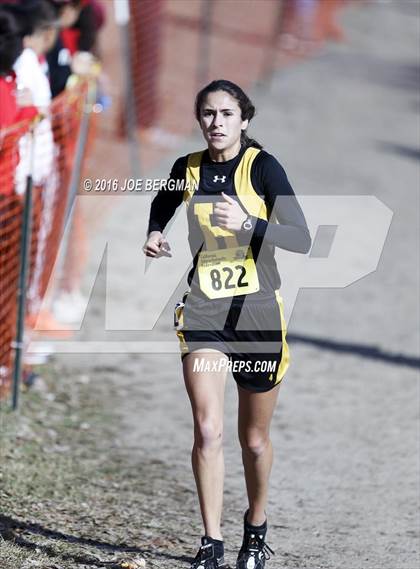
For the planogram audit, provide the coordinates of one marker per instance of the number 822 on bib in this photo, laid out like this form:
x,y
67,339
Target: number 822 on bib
x,y
227,272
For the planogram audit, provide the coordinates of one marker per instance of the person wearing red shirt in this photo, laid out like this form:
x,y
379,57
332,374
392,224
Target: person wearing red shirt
x,y
15,104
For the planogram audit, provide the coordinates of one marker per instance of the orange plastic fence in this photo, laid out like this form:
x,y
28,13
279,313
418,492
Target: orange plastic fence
x,y
177,46
51,141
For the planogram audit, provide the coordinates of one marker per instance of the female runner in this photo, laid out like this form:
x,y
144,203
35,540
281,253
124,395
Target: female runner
x,y
240,206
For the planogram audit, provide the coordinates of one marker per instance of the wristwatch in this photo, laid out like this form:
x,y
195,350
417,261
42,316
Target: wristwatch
x,y
247,224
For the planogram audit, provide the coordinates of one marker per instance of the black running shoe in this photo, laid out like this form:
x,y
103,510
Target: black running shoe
x,y
254,551
206,557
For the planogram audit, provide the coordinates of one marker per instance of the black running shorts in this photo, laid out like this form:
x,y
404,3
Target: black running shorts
x,y
251,334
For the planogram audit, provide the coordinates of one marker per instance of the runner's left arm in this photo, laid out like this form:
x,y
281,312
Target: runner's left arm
x,y
291,232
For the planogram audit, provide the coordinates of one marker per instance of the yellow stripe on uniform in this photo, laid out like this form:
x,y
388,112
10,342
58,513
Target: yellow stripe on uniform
x,y
182,343
285,354
192,178
252,203
245,191
203,211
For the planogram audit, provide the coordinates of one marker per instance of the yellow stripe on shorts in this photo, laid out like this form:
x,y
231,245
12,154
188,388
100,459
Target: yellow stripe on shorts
x,y
285,354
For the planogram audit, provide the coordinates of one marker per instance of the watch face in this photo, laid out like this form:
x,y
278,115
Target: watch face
x,y
247,224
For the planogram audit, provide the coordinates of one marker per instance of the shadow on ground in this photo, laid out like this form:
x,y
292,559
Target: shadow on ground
x,y
13,530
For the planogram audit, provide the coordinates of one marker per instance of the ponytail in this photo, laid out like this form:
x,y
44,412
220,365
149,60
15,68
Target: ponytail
x,y
248,142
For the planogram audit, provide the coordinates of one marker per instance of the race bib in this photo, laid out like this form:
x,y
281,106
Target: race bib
x,y
227,272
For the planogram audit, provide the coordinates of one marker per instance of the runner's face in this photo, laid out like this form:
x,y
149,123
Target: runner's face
x,y
221,123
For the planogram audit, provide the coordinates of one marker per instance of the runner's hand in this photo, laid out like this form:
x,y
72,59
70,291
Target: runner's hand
x,y
156,245
229,214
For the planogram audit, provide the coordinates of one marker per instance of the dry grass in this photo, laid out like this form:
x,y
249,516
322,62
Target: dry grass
x,y
69,496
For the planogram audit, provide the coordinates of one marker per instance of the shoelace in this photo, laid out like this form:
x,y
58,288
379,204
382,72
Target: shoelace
x,y
205,552
261,545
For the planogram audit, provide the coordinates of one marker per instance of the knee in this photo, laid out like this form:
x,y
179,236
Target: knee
x,y
208,434
255,443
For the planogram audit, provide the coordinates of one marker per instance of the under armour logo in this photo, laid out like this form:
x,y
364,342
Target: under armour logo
x,y
219,179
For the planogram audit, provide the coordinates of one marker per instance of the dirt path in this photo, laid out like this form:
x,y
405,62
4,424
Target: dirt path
x,y
345,482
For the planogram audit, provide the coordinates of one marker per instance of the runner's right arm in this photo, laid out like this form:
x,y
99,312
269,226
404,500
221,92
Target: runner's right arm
x,y
166,202
162,209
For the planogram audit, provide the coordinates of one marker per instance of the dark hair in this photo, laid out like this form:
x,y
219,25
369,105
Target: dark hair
x,y
44,16
10,42
32,15
59,5
244,102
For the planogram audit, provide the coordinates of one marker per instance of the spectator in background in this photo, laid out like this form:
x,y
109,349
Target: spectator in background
x,y
39,31
16,107
76,44
72,54
16,104
38,27
83,34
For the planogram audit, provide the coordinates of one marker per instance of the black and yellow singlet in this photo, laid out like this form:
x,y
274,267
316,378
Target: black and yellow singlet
x,y
234,303
229,265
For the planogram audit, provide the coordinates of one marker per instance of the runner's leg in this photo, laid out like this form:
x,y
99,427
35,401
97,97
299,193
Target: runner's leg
x,y
254,418
206,391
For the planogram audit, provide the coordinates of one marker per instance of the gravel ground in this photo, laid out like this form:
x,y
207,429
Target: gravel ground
x,y
344,489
